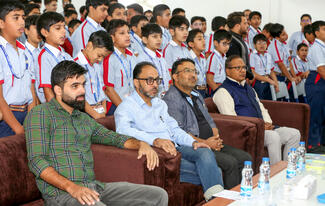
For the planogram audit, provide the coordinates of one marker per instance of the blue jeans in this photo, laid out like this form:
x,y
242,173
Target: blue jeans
x,y
199,167
5,129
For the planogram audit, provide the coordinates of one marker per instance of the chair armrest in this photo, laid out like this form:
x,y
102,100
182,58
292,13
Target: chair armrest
x,y
107,122
113,164
290,114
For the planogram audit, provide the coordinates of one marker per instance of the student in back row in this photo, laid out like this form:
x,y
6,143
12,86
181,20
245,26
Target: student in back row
x,y
17,91
161,16
137,22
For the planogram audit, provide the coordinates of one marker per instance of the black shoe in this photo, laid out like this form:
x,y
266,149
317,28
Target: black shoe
x,y
317,150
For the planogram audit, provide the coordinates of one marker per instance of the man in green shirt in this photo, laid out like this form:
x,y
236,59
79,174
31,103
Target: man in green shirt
x,y
58,138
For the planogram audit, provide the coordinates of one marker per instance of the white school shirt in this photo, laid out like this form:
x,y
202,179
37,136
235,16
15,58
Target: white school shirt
x,y
201,67
300,65
209,46
252,32
262,64
47,59
166,37
156,59
173,52
16,79
317,55
295,39
280,53
118,72
136,45
94,80
216,66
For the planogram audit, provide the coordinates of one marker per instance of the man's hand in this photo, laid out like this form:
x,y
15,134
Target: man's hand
x,y
166,145
83,194
268,126
215,142
152,157
199,145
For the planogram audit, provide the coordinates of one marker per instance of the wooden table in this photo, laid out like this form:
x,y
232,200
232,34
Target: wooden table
x,y
275,169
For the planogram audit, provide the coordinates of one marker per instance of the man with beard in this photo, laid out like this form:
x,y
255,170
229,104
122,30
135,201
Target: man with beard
x,y
146,117
58,138
238,25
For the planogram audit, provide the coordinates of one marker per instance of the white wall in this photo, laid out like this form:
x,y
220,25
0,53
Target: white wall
x,y
286,12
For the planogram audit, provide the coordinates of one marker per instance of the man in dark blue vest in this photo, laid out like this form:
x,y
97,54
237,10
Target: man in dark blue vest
x,y
236,97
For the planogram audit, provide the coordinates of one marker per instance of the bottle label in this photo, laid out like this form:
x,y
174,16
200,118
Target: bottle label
x,y
291,173
263,186
301,166
246,191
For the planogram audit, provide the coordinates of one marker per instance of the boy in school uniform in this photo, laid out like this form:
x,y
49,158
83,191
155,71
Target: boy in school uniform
x,y
118,66
196,23
50,26
300,64
279,51
97,13
255,18
134,10
262,68
32,9
176,48
152,38
267,34
137,22
17,91
218,23
69,15
309,35
116,11
315,90
216,73
50,5
196,43
161,16
33,39
98,47
298,37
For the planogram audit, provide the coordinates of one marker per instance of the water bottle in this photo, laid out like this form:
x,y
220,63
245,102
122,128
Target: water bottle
x,y
263,181
292,163
247,180
301,161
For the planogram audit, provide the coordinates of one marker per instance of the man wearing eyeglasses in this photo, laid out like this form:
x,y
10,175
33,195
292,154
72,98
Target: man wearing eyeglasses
x,y
236,97
146,117
187,106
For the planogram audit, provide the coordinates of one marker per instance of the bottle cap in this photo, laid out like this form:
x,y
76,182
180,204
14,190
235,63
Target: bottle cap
x,y
321,198
265,159
302,143
248,163
293,149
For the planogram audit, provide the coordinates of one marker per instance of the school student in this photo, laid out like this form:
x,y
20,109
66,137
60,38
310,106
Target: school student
x,y
267,34
50,5
217,23
73,25
148,14
83,13
161,16
300,62
17,91
196,23
298,37
178,11
315,90
68,16
309,35
118,66
196,43
137,22
216,73
32,9
255,19
262,68
116,11
176,48
33,39
98,47
134,10
152,38
50,27
97,13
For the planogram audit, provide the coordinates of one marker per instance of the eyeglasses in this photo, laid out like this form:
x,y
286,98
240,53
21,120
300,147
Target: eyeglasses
x,y
225,43
188,70
151,80
239,68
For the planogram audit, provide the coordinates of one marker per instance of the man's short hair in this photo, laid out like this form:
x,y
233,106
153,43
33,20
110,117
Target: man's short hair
x,y
101,39
192,34
158,10
203,19
30,7
259,37
95,3
229,60
276,30
179,62
150,28
177,21
136,7
114,24
218,22
301,45
234,18
46,20
317,25
221,35
112,8
135,20
305,15
254,13
31,20
65,70
7,6
176,11
139,67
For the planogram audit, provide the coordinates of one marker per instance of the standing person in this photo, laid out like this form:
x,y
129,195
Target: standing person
x,y
133,10
17,90
137,22
50,5
218,23
58,140
255,19
161,16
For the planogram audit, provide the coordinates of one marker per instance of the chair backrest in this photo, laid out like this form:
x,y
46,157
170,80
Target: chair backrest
x,y
283,93
212,107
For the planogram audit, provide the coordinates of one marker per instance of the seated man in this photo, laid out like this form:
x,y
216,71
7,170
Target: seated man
x,y
58,138
186,105
145,116
236,97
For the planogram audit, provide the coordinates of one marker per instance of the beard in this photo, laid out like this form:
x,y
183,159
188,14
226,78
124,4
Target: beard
x,y
74,103
147,94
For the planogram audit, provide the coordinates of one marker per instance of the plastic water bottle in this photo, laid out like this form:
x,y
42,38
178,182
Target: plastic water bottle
x,y
263,181
301,159
292,163
247,180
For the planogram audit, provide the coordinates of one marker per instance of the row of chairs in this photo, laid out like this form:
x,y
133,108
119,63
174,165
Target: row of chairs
x,y
283,93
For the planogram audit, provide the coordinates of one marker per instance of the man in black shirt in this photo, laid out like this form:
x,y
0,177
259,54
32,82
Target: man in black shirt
x,y
187,106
